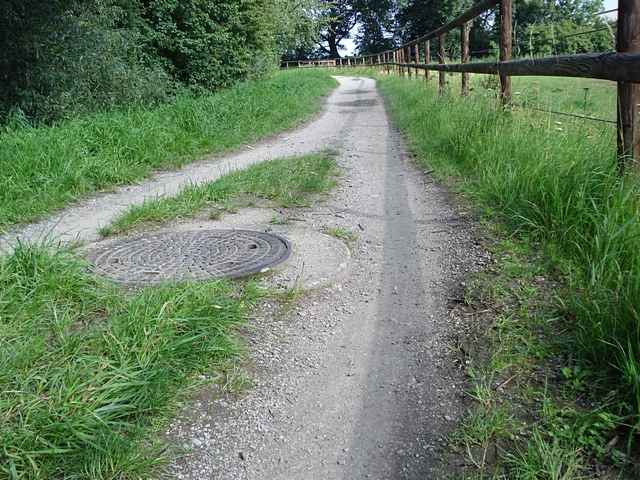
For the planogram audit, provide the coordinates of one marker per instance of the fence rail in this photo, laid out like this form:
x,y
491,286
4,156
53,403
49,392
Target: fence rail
x,y
622,66
619,67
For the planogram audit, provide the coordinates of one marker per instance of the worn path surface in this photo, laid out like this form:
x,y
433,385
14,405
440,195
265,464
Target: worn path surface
x,y
357,381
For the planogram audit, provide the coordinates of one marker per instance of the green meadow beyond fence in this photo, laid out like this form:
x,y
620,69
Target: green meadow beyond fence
x,y
621,66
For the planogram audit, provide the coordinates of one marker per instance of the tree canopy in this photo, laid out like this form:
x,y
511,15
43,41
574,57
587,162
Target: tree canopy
x,y
63,57
540,25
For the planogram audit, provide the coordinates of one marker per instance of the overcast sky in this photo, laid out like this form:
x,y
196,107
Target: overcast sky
x,y
350,45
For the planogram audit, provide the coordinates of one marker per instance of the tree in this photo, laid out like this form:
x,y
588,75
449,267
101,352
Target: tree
x,y
376,26
61,58
338,17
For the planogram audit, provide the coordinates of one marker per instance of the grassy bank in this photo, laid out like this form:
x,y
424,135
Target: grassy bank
x,y
89,372
552,185
86,370
43,169
286,182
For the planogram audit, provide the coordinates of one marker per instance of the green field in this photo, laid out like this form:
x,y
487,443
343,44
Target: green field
x,y
581,96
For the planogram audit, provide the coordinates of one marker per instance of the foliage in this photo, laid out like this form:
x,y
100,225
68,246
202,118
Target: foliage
x,y
340,16
86,63
377,23
210,44
565,37
539,25
62,58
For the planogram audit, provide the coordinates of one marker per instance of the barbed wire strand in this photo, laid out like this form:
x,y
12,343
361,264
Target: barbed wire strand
x,y
567,114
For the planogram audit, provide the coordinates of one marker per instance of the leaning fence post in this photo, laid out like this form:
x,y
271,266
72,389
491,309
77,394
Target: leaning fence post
x,y
427,58
464,55
442,80
628,41
506,41
416,50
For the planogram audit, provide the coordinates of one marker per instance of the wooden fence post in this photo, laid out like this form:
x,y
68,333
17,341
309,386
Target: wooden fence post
x,y
407,51
464,58
416,50
427,58
506,41
442,79
628,41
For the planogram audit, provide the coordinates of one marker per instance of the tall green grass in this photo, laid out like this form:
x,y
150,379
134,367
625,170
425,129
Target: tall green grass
x,y
553,183
42,169
85,370
288,182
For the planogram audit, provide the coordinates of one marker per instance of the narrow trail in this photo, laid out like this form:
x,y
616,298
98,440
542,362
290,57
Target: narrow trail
x,y
82,222
357,380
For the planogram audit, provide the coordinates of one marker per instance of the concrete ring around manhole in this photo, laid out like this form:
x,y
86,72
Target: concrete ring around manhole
x,y
317,260
198,255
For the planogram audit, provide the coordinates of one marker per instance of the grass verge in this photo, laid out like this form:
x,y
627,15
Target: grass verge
x,y
43,169
86,372
89,373
287,182
552,184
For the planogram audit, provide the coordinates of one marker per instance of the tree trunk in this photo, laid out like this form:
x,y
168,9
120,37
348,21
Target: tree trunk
x,y
332,40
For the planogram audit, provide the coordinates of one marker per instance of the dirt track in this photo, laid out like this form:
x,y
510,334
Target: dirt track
x,y
357,380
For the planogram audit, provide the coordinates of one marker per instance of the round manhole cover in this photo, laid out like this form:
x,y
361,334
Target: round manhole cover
x,y
197,255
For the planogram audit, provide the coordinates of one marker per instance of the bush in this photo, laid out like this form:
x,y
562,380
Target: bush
x,y
87,63
62,58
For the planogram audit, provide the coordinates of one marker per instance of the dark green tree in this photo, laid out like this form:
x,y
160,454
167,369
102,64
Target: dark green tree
x,y
60,58
377,25
339,17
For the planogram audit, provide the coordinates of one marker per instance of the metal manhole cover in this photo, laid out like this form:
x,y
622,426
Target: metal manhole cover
x,y
194,255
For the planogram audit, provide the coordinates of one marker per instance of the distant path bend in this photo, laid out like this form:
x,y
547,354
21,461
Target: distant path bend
x,y
82,221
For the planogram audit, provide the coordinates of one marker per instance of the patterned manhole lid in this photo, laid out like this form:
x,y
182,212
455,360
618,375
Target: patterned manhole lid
x,y
195,255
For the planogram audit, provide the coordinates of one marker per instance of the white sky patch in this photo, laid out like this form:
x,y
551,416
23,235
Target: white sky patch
x,y
609,5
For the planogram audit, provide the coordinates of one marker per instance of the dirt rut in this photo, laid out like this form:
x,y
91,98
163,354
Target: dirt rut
x,y
357,382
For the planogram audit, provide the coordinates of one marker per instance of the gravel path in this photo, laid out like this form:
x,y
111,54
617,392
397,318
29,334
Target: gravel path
x,y
357,381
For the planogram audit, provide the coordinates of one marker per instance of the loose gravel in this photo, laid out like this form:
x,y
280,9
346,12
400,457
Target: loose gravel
x,y
358,380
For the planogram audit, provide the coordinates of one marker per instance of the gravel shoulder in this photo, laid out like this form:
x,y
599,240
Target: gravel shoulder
x,y
357,380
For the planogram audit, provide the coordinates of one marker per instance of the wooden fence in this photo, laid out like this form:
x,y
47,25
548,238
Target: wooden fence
x,y
622,66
